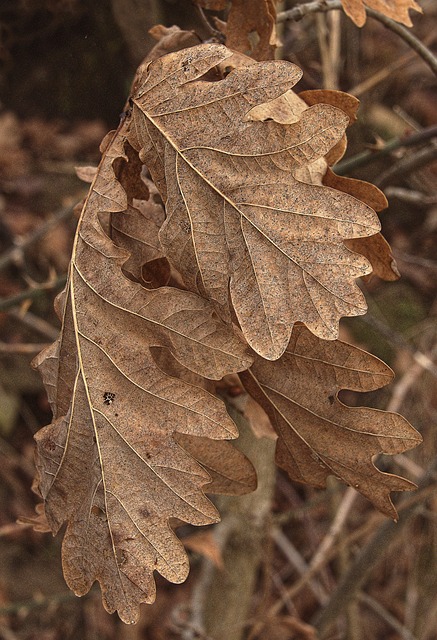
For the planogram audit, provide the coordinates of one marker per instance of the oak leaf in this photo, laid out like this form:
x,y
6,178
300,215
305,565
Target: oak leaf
x,y
138,436
110,464
287,109
320,436
395,9
251,28
238,221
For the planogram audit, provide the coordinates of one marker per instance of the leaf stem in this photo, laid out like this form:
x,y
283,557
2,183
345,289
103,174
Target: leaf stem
x,y
31,294
317,6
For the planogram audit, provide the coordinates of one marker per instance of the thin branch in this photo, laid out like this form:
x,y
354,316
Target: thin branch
x,y
35,323
416,198
403,632
422,262
31,294
305,571
320,558
214,33
317,6
395,337
408,164
20,348
365,157
370,555
15,253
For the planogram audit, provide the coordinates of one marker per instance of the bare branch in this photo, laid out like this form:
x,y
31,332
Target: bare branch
x,y
317,6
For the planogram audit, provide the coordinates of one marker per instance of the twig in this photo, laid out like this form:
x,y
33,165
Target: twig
x,y
402,387
329,44
370,555
35,323
15,253
320,558
365,157
214,33
412,197
20,348
422,262
394,337
31,294
408,164
296,560
403,632
387,71
317,6
12,528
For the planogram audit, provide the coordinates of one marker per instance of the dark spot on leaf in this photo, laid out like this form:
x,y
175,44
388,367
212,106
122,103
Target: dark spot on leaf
x,y
108,397
49,445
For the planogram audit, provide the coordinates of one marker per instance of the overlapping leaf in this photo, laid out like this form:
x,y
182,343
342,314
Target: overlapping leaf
x,y
287,109
138,435
237,219
251,28
318,435
395,9
109,465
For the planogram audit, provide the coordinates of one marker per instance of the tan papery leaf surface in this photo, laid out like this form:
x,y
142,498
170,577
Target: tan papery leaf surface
x,y
251,28
320,436
397,10
237,219
230,471
138,436
287,109
87,174
109,464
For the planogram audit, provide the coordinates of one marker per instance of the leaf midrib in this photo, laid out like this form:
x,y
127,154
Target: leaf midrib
x,y
234,206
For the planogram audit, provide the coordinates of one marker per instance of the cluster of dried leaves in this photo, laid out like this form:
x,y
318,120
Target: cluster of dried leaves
x,y
259,17
247,269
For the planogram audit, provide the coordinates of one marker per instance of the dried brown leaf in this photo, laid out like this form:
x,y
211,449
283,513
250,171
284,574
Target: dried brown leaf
x,y
136,228
87,174
378,252
251,28
138,436
320,436
204,543
376,248
258,420
397,10
109,464
364,191
344,101
230,471
170,39
38,520
287,109
238,221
